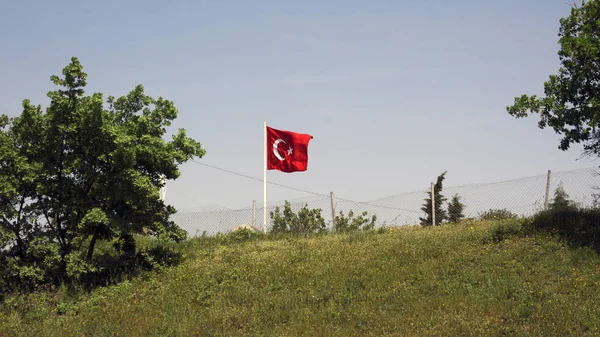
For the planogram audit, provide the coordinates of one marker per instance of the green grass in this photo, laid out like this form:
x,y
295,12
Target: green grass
x,y
445,281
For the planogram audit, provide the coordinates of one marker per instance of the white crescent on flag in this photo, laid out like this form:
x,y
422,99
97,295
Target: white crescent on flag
x,y
275,150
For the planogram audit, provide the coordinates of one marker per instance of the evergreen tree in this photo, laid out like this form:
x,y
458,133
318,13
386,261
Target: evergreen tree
x,y
561,200
455,210
440,213
596,198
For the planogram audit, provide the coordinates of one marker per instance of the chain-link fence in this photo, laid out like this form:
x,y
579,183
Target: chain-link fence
x,y
522,197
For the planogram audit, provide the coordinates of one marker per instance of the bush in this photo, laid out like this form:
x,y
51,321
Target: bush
x,y
579,226
114,268
242,235
497,214
507,228
107,268
306,221
351,224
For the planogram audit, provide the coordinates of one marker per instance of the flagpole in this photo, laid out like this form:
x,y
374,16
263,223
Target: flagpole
x,y
265,180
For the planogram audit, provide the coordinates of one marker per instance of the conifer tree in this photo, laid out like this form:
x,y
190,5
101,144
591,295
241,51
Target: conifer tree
x,y
561,200
440,212
455,209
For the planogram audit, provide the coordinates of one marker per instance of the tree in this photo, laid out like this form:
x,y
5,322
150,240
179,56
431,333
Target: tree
x,y
440,213
82,172
561,200
571,105
17,188
455,210
306,221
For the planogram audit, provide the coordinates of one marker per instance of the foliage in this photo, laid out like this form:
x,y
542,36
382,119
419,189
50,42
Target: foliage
x,y
497,214
351,224
110,268
440,212
579,226
455,209
441,283
561,200
243,235
596,197
511,227
571,105
304,222
79,173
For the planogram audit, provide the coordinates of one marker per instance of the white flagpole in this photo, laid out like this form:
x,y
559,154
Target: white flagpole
x,y
265,180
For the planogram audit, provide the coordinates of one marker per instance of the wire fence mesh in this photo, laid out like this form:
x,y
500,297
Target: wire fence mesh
x,y
523,197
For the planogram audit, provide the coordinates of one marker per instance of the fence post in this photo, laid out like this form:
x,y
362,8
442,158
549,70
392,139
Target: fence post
x,y
332,212
254,213
547,190
432,204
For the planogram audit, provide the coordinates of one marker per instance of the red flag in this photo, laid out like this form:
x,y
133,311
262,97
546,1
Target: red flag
x,y
287,151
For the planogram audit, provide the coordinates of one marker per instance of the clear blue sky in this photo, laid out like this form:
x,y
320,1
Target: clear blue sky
x,y
394,92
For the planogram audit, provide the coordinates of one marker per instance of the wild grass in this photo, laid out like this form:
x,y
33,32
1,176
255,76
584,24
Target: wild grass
x,y
474,278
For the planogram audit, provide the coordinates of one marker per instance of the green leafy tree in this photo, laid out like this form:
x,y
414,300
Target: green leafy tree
x,y
350,223
455,209
17,189
440,212
304,222
571,105
82,172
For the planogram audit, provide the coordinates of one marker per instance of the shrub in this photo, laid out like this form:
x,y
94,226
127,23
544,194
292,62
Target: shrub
x,y
497,214
351,224
306,221
242,235
507,228
579,226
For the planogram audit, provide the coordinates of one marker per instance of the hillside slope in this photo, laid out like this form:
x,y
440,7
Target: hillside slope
x,y
446,281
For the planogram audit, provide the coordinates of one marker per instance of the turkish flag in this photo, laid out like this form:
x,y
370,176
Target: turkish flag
x,y
287,151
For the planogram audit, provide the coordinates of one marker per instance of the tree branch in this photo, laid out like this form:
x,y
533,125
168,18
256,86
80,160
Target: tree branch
x,y
17,231
7,223
20,211
60,241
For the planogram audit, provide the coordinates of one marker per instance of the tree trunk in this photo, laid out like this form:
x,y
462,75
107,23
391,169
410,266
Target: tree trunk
x,y
128,246
90,252
62,271
20,245
65,249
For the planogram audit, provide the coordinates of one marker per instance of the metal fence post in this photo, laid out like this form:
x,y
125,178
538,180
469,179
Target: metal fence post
x,y
547,190
332,212
432,204
254,213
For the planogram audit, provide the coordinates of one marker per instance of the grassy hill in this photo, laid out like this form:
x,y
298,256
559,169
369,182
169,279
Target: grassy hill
x,y
476,278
